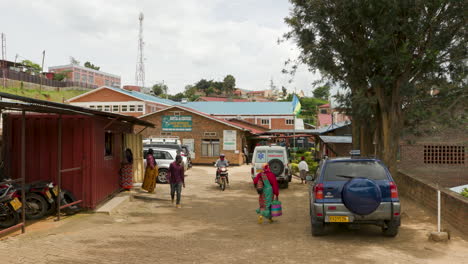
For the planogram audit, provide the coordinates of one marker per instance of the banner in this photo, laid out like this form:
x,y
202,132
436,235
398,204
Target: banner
x,y
177,123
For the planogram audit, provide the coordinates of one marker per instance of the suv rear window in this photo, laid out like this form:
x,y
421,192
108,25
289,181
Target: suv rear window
x,y
344,170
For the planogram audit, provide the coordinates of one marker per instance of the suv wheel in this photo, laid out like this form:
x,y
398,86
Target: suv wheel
x,y
162,176
391,228
283,184
318,228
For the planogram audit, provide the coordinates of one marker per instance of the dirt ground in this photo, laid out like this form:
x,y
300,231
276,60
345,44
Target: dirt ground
x,y
220,227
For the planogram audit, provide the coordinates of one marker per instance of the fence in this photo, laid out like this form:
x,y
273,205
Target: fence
x,y
26,77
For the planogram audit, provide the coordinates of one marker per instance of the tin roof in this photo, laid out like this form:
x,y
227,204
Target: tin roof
x,y
242,108
337,139
219,99
17,102
333,126
134,94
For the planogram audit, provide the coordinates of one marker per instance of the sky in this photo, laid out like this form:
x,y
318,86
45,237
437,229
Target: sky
x,y
185,40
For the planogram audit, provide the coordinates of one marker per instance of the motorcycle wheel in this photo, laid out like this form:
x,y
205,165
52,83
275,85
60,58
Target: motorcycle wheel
x,y
8,217
36,206
68,197
223,184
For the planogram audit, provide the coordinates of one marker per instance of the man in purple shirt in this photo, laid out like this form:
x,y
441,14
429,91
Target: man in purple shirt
x,y
175,177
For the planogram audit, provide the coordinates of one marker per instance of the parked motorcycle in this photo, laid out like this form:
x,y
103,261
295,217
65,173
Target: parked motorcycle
x,y
10,206
222,177
37,199
49,191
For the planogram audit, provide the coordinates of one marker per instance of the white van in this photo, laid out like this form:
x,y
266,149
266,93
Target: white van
x,y
278,159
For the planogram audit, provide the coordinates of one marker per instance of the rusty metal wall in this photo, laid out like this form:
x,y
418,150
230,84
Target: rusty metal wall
x,y
135,144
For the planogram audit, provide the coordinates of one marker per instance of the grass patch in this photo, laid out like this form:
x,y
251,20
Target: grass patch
x,y
53,96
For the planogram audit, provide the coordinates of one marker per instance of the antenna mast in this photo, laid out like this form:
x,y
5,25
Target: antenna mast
x,y
140,67
4,63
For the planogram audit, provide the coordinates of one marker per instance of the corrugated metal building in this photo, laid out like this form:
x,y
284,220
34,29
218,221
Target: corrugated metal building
x,y
92,145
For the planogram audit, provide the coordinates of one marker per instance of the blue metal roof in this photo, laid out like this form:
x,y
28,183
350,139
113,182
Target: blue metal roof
x,y
241,108
145,97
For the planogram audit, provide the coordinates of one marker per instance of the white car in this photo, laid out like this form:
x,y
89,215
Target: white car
x,y
278,159
164,158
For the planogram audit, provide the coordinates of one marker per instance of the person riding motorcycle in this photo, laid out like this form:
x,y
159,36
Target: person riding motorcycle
x,y
221,162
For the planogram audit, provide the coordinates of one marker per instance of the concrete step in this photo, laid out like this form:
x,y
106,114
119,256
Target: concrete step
x,y
113,204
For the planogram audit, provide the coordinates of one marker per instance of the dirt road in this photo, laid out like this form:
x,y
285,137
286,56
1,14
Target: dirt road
x,y
220,227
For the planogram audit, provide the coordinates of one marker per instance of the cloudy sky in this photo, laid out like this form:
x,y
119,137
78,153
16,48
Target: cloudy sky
x,y
185,40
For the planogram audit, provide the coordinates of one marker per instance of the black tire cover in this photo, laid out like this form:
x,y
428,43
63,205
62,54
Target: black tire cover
x,y
361,196
276,166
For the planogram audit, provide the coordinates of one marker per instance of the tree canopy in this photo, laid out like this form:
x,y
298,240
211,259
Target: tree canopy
x,y
159,89
381,52
31,66
91,66
322,92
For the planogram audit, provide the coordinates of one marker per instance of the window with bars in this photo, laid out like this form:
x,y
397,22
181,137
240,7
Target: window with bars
x,y
289,121
210,147
437,154
107,108
132,108
140,108
124,108
115,108
265,121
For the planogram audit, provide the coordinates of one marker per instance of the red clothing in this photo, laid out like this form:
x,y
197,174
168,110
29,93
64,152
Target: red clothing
x,y
175,173
271,178
150,162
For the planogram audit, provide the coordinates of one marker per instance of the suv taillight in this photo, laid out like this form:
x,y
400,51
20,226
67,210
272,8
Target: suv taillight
x,y
393,190
318,191
252,170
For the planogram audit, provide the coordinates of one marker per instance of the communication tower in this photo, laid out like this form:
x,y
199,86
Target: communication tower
x,y
140,67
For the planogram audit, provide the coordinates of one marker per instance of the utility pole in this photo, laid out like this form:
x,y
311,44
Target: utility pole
x,y
4,57
42,71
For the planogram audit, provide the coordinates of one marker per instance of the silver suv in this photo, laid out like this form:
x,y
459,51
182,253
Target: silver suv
x,y
277,158
164,158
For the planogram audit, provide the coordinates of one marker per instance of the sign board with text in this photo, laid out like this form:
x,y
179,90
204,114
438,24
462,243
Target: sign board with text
x,y
229,140
177,123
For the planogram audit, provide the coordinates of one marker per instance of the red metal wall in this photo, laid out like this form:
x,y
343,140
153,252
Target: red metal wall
x,y
82,146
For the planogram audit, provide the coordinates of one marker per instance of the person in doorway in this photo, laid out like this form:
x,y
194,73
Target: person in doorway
x,y
303,170
175,177
151,173
221,162
126,171
267,188
246,154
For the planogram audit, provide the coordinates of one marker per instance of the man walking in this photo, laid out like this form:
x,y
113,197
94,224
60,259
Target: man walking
x,y
175,177
303,169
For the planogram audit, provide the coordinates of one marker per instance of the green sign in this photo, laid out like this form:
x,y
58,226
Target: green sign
x,y
177,123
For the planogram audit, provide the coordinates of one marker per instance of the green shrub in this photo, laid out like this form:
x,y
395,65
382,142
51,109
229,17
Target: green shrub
x,y
464,192
295,168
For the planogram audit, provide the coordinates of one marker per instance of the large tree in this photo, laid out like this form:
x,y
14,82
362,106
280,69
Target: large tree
x,y
322,92
381,52
159,89
229,84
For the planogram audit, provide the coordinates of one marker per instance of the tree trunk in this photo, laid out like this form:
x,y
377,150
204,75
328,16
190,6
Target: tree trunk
x,y
355,125
366,146
390,133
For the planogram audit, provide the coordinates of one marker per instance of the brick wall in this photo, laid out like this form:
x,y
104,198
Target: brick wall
x,y
454,207
413,154
200,125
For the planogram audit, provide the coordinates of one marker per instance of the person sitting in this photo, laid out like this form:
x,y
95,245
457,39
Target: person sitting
x,y
221,162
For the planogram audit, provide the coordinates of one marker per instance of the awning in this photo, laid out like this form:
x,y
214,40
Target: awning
x,y
337,139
